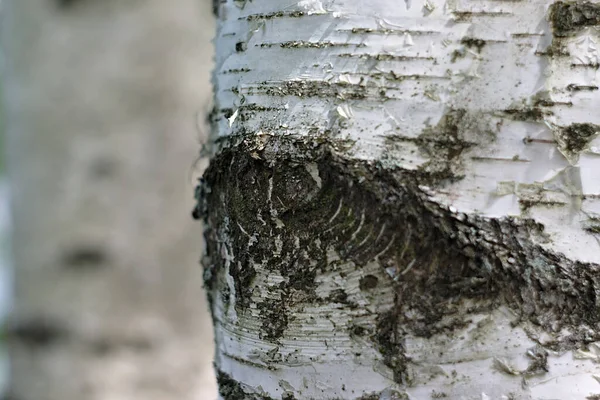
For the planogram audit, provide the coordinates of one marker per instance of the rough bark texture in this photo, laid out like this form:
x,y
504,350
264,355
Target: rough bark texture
x,y
101,98
403,200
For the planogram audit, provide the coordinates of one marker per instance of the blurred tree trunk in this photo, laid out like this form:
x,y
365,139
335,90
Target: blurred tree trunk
x,y
403,200
101,98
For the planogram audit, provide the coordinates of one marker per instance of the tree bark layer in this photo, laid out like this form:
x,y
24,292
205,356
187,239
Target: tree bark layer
x,y
401,202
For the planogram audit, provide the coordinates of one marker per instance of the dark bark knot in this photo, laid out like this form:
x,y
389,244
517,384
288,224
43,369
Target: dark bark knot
x,y
281,205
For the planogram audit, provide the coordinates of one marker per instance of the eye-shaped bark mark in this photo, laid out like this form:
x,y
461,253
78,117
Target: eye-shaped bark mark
x,y
266,211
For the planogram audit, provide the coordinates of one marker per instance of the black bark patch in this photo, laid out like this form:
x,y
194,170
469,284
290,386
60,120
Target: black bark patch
x,y
241,46
230,389
216,4
37,332
201,208
85,257
525,114
306,88
302,44
570,17
368,282
567,18
476,43
576,137
338,296
358,330
273,15
274,318
293,187
389,338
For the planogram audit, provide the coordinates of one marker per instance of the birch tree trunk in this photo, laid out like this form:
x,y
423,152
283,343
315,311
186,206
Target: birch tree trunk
x,y
403,200
100,103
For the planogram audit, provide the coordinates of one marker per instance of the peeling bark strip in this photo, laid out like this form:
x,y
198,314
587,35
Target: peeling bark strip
x,y
405,207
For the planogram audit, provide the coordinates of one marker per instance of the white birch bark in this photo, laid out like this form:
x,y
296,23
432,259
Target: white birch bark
x,y
100,101
404,201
